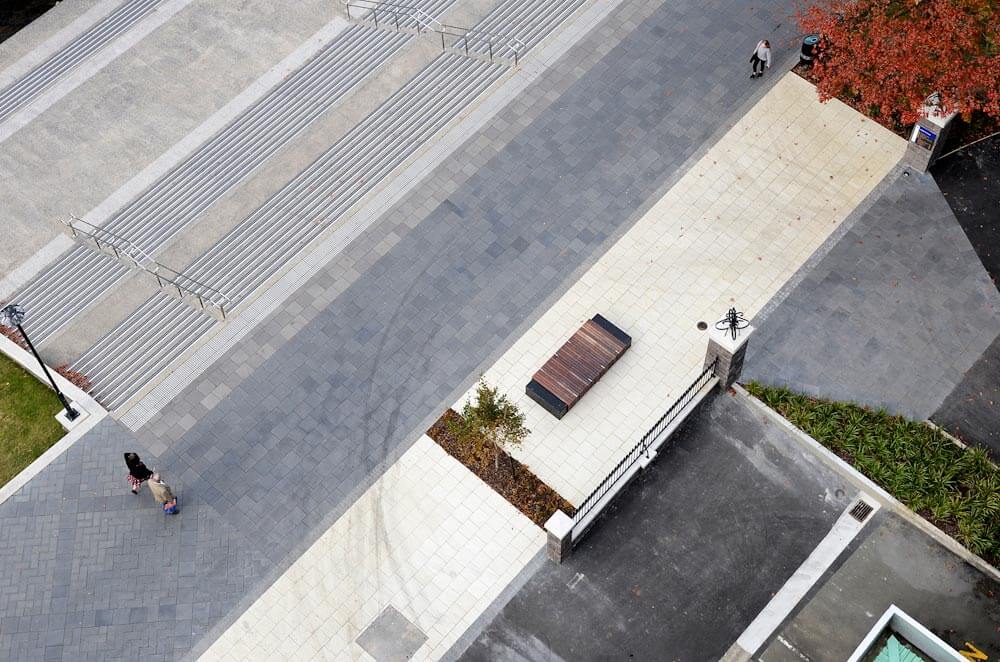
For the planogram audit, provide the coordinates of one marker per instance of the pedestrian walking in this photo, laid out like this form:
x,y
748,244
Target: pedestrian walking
x,y
138,473
762,57
163,494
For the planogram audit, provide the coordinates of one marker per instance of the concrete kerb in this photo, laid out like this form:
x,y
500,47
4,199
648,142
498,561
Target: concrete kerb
x,y
140,408
91,413
865,484
819,561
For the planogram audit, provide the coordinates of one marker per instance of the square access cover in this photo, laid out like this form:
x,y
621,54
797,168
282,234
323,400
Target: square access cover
x,y
391,637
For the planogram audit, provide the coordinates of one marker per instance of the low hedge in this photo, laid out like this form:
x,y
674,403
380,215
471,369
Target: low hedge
x,y
957,489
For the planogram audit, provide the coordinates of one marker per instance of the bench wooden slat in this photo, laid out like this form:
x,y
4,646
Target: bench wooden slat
x,y
578,365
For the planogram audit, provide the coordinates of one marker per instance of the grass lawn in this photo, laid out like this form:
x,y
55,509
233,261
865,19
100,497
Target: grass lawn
x,y
27,418
955,488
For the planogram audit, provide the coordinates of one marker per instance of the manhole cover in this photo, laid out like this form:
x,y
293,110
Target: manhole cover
x,y
391,637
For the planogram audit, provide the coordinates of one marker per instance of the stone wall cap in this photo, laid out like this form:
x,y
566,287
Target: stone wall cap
x,y
560,524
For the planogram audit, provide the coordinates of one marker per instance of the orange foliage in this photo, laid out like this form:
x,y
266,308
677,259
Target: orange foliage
x,y
889,55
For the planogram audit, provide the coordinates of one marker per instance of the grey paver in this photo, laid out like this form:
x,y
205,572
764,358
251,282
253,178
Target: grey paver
x,y
894,313
894,564
416,306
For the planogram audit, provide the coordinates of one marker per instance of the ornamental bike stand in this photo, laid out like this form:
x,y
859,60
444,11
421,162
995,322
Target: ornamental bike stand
x,y
478,44
168,280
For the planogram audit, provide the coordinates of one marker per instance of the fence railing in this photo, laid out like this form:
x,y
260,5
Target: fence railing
x,y
467,41
643,451
166,278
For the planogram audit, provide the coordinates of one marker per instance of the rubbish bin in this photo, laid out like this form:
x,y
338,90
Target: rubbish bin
x,y
808,52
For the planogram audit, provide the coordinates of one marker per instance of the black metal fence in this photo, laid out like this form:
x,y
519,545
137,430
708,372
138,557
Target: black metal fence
x,y
642,448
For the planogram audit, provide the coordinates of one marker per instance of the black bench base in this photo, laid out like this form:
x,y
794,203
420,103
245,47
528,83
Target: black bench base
x,y
546,399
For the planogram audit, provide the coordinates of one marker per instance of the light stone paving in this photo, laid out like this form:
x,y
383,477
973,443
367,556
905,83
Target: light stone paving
x,y
729,233
437,544
428,538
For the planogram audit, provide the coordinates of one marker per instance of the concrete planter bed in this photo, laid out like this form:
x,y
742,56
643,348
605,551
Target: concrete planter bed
x,y
952,487
508,477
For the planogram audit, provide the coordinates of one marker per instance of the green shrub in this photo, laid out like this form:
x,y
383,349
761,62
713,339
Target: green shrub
x,y
957,488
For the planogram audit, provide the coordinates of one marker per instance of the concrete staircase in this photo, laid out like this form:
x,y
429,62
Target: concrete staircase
x,y
151,220
127,358
21,92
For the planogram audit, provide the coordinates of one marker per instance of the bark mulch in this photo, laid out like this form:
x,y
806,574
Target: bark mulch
x,y
508,477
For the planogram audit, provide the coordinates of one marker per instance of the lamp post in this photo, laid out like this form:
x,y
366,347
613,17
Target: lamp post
x,y
12,316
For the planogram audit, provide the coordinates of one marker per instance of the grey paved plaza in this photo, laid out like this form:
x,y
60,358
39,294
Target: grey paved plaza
x,y
892,316
272,443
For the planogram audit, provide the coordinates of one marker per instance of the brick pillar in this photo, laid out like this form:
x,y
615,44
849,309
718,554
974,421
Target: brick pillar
x,y
560,530
926,142
729,352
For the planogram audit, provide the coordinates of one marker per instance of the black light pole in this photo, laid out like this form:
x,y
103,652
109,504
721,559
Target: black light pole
x,y
11,316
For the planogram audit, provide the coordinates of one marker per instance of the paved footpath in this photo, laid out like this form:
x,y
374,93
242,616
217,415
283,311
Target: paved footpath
x,y
892,315
292,426
403,577
280,451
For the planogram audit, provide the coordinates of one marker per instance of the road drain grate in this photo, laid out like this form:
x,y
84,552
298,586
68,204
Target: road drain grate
x,y
861,511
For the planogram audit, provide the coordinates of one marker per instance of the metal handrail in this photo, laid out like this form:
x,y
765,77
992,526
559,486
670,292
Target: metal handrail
x,y
498,47
420,17
642,448
165,276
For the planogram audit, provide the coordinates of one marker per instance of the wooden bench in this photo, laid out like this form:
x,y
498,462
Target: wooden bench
x,y
577,366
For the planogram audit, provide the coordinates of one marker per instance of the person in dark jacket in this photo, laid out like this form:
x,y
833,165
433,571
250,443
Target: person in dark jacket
x,y
138,473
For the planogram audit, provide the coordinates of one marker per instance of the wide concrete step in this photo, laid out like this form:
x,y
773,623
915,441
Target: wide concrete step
x,y
138,349
269,238
265,241
21,92
175,200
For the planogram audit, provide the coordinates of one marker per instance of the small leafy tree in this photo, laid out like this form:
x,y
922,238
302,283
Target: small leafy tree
x,y
892,54
491,424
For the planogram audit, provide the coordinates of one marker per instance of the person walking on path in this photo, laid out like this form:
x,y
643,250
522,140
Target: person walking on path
x,y
761,56
138,473
163,494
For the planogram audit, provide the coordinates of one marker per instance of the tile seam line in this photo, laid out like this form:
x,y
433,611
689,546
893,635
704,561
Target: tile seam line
x,y
182,373
90,66
52,44
45,257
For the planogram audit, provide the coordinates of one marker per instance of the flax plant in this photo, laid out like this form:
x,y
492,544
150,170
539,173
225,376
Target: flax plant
x,y
956,488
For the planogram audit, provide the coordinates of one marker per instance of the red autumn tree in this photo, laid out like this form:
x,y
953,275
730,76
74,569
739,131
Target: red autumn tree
x,y
889,55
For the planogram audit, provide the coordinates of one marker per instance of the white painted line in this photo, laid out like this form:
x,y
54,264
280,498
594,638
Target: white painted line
x,y
92,412
819,561
135,414
90,66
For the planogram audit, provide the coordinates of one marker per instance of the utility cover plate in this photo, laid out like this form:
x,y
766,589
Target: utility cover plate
x,y
391,637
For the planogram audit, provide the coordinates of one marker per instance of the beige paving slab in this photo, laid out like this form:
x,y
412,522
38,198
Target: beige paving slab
x,y
729,233
428,538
